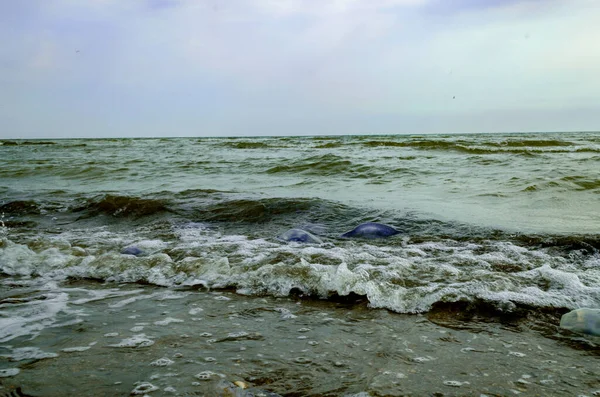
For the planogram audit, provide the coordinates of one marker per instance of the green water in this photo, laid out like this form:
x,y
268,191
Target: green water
x,y
541,182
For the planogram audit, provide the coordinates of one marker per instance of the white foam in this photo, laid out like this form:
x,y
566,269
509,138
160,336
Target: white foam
x,y
168,321
207,375
98,295
285,313
76,349
143,388
406,278
136,341
195,311
455,383
162,362
8,372
31,317
15,259
170,295
423,359
28,353
517,354
149,245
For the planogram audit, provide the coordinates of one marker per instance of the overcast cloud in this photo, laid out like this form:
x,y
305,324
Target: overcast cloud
x,y
100,68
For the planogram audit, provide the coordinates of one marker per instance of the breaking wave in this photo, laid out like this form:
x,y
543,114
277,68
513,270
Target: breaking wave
x,y
406,277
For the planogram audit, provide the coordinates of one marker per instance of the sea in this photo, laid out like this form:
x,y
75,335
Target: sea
x,y
156,266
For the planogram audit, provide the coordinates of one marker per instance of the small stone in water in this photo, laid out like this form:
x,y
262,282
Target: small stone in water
x,y
241,384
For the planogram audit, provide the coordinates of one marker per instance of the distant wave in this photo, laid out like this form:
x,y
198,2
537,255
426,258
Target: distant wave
x,y
430,145
532,143
522,147
573,183
329,145
316,165
26,142
246,145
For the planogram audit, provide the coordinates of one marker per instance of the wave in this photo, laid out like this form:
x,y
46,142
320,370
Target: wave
x,y
566,243
520,147
254,210
26,143
431,145
241,214
532,143
120,206
199,205
329,145
587,150
582,182
246,145
409,277
20,207
328,164
567,183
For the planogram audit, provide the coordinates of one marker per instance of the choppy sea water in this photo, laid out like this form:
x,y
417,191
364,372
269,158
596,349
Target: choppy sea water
x,y
499,237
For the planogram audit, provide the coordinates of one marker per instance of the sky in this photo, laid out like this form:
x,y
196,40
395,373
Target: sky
x,y
116,68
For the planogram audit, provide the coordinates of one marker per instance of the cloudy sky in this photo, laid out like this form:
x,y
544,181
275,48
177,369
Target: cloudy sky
x,y
83,68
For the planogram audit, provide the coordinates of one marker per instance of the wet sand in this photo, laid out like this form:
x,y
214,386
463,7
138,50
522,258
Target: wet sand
x,y
132,339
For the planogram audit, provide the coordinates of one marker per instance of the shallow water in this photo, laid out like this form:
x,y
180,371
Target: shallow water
x,y
110,340
499,236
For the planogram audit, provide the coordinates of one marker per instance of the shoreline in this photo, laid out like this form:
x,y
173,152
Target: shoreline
x,y
118,337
